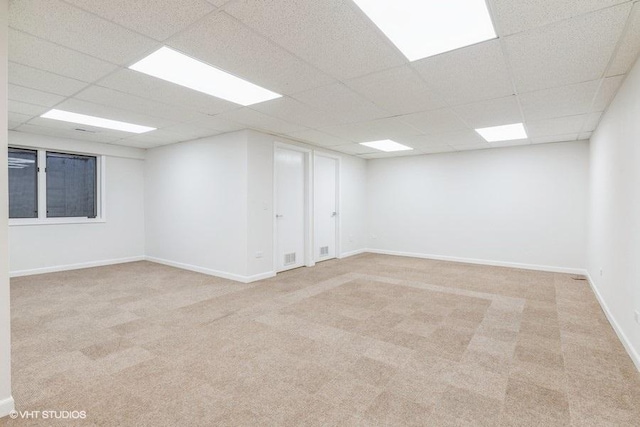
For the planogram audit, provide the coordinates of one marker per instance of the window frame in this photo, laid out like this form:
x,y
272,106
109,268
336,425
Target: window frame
x,y
42,218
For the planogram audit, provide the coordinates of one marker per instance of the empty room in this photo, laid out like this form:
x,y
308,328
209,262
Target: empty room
x,y
320,213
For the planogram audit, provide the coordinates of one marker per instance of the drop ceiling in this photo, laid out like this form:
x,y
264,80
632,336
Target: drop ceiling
x,y
555,67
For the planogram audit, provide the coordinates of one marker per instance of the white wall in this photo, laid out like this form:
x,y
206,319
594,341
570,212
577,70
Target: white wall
x,y
196,204
48,247
614,220
6,401
209,204
353,205
352,215
522,206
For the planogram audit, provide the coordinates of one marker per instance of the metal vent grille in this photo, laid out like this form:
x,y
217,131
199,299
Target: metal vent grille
x,y
290,258
324,251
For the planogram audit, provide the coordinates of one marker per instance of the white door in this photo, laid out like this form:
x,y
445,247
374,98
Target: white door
x,y
290,208
325,207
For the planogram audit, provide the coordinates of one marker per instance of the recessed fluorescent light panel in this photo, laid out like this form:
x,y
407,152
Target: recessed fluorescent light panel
x,y
423,28
67,116
503,133
386,145
175,67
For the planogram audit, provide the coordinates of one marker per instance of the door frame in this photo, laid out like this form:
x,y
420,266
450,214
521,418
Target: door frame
x,y
308,203
338,160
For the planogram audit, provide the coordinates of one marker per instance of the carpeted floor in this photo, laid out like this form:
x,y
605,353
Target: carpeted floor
x,y
370,340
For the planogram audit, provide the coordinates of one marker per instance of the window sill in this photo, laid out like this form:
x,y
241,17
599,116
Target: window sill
x,y
55,221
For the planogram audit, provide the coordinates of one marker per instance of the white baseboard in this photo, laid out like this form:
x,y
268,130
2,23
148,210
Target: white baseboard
x,y
6,406
68,267
210,272
635,357
551,269
352,253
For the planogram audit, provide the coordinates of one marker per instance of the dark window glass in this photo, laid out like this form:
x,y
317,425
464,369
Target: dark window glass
x,y
23,183
71,186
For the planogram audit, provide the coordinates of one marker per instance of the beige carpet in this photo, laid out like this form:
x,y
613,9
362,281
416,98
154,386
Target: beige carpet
x,y
370,340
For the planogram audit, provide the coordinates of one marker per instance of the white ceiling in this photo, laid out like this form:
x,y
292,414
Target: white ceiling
x,y
556,66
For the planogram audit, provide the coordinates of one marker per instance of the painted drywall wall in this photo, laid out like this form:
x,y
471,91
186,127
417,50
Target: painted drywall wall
x,y
209,204
353,176
614,213
47,247
353,205
6,401
260,214
522,206
196,205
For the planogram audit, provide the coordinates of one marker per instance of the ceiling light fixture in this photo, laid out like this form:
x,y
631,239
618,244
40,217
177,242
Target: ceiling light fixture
x,y
386,145
503,133
67,116
423,28
175,67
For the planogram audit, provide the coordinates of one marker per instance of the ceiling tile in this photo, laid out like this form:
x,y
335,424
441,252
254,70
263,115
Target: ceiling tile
x,y
316,137
555,138
22,75
471,147
383,155
112,113
493,112
337,99
516,16
375,130
558,102
256,120
333,35
567,52
109,97
295,112
629,46
592,122
354,149
558,126
436,149
607,92
223,42
470,74
25,108
186,132
398,91
434,122
17,117
67,133
425,143
459,139
135,83
158,19
152,139
34,52
517,143
32,96
216,123
61,23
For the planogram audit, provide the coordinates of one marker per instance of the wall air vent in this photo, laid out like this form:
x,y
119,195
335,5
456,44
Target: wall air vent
x,y
290,258
324,251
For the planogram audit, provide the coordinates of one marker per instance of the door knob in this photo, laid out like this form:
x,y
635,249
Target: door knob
x,y
279,216
334,214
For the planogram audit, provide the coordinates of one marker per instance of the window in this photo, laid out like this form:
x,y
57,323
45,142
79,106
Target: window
x,y
23,183
71,186
53,187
